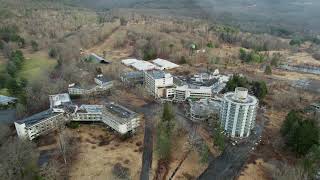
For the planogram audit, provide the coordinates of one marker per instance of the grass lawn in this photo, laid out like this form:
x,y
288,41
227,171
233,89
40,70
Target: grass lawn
x,y
36,65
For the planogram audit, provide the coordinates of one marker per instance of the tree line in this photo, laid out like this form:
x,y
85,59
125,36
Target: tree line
x,y
302,136
258,88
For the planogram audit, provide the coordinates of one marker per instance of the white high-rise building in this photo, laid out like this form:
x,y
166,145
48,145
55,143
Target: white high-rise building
x,y
238,113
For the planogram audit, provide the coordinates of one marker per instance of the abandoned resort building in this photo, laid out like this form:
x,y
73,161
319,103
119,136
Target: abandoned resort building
x,y
200,93
101,84
238,113
61,111
235,110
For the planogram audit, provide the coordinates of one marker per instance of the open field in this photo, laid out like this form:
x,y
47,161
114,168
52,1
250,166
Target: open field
x,y
96,161
36,65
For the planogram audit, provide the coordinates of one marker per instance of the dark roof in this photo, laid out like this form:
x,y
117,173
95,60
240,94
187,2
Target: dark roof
x,y
119,110
98,59
104,79
31,120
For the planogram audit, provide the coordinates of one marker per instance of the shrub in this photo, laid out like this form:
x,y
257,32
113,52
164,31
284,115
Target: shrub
x,y
183,60
210,45
268,70
73,125
53,53
316,55
120,172
34,45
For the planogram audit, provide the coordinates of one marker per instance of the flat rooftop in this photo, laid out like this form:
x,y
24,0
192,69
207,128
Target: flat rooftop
x,y
119,110
158,74
34,119
103,78
92,109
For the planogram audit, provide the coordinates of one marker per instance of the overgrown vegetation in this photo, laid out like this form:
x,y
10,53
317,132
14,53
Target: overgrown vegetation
x,y
10,34
18,157
10,81
300,134
164,132
252,56
258,88
218,136
204,154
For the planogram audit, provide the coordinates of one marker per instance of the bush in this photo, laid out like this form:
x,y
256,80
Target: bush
x,y
73,125
210,45
120,172
251,56
204,154
316,55
268,70
183,60
34,45
53,53
296,41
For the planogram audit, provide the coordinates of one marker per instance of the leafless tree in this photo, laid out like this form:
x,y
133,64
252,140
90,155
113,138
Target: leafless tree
x,y
51,170
67,144
18,160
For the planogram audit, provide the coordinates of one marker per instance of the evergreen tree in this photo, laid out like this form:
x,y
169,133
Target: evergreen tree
x,y
259,89
268,70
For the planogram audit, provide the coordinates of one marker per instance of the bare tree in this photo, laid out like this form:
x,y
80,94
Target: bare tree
x,y
51,170
67,144
18,160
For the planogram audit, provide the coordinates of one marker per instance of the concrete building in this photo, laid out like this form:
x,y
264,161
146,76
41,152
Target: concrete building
x,y
102,84
132,77
159,84
88,113
204,109
39,124
59,101
182,93
120,118
114,115
238,113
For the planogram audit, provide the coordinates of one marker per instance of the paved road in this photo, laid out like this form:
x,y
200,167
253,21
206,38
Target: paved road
x,y
230,162
149,111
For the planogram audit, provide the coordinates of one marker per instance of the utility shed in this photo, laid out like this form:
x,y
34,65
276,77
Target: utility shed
x,y
98,59
164,64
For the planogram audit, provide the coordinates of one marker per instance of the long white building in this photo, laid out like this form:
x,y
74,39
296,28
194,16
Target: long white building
x,y
39,124
238,113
